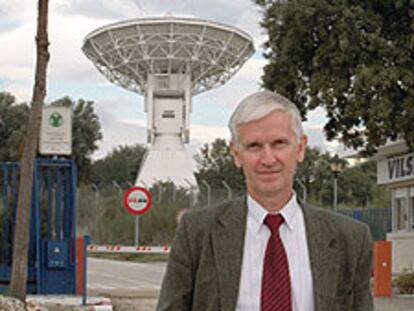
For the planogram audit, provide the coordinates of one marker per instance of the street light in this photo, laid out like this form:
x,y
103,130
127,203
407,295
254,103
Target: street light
x,y
337,166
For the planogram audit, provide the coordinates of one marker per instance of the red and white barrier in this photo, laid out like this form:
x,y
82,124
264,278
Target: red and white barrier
x,y
118,249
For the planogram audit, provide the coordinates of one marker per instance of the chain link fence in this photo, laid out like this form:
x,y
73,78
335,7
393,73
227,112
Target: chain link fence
x,y
101,213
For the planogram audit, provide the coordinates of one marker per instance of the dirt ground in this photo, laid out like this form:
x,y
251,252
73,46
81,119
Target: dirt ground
x,y
397,303
134,304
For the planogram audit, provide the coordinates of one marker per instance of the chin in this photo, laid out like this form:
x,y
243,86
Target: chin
x,y
270,188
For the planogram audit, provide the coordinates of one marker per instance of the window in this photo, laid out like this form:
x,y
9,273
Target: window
x,y
412,212
401,210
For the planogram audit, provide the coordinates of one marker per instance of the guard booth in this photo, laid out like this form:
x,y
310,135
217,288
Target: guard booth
x,y
395,168
52,248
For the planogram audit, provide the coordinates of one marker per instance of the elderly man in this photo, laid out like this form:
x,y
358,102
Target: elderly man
x,y
268,251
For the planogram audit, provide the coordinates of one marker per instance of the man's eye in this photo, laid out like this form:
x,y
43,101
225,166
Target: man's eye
x,y
279,143
253,146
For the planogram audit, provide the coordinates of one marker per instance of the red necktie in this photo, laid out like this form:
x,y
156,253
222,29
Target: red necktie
x,y
276,289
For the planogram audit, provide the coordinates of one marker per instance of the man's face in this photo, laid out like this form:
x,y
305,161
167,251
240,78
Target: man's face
x,y
267,150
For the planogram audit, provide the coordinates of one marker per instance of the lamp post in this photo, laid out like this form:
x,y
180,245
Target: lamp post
x,y
336,168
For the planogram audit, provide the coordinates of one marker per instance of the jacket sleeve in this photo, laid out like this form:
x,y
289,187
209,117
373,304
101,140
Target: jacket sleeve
x,y
177,286
363,300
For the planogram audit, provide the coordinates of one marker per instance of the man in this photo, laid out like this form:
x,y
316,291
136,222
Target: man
x,y
267,251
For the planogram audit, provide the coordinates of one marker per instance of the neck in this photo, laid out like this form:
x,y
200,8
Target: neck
x,y
272,203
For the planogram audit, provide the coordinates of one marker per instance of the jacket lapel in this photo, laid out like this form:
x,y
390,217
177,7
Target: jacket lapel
x,y
228,241
228,234
323,255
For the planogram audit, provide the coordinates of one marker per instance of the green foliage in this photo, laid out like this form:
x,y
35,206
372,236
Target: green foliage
x,y
120,165
13,120
215,164
101,214
86,132
316,176
353,58
405,283
356,185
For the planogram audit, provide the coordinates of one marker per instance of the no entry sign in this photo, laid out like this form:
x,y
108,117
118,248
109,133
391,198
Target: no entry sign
x,y
137,200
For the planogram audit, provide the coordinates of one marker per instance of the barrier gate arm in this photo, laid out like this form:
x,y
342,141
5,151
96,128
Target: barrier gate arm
x,y
114,249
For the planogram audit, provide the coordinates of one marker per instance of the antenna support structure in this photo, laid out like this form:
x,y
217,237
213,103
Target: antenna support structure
x,y
168,60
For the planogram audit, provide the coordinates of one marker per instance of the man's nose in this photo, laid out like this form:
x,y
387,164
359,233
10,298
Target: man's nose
x,y
267,156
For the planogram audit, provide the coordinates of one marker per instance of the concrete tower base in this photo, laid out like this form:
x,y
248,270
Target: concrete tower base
x,y
167,161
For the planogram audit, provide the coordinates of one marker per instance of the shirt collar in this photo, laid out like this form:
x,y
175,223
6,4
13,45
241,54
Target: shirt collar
x,y
258,213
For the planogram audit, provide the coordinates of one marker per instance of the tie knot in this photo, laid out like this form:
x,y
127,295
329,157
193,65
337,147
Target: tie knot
x,y
274,222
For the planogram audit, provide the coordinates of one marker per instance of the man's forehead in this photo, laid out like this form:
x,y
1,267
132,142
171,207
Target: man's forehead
x,y
272,135
277,112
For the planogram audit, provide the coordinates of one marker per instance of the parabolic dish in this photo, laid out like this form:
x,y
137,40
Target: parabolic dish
x,y
127,52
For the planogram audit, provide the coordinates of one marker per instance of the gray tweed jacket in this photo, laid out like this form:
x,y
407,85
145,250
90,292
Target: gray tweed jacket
x,y
204,266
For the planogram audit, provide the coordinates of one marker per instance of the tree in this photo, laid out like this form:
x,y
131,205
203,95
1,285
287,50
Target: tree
x,y
85,134
353,58
120,165
21,234
312,174
86,130
215,164
13,122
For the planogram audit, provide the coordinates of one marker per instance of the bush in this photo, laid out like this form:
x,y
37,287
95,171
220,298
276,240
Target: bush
x,y
102,215
405,283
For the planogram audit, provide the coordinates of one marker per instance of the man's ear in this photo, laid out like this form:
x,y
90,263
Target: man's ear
x,y
235,153
302,149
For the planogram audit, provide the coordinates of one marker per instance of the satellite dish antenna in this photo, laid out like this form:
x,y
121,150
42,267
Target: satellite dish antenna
x,y
168,60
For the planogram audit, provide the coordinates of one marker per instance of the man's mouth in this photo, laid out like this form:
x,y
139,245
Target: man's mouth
x,y
269,173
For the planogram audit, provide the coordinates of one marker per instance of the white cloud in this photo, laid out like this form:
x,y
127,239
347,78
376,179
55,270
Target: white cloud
x,y
207,134
71,73
22,92
98,9
17,60
15,12
245,81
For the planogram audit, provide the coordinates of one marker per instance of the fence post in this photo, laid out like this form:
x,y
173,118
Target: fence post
x,y
304,190
208,192
229,192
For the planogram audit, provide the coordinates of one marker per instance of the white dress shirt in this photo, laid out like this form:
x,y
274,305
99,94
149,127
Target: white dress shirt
x,y
293,235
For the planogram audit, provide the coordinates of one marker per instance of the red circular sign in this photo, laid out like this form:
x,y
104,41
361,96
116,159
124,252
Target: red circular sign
x,y
137,200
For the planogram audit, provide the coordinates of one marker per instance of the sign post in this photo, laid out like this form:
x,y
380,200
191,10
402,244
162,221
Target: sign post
x,y
138,201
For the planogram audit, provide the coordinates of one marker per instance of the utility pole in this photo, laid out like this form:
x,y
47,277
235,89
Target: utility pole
x,y
21,236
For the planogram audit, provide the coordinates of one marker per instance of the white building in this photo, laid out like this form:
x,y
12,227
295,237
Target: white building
x,y
395,168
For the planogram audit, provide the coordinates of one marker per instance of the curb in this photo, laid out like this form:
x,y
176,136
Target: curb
x,y
70,303
102,308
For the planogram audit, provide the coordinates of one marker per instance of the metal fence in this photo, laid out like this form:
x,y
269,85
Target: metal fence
x,y
101,208
379,220
52,248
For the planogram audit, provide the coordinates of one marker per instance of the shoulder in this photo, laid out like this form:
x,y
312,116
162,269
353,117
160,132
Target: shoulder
x,y
193,234
342,227
336,219
202,219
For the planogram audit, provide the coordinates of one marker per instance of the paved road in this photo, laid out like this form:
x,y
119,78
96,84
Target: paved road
x,y
139,285
125,279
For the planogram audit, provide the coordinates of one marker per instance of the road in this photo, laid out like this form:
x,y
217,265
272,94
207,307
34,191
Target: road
x,y
124,279
135,286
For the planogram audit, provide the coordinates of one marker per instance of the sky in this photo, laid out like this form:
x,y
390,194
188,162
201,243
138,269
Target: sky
x,y
120,111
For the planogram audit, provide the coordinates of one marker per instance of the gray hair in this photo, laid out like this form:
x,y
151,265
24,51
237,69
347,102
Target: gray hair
x,y
261,104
